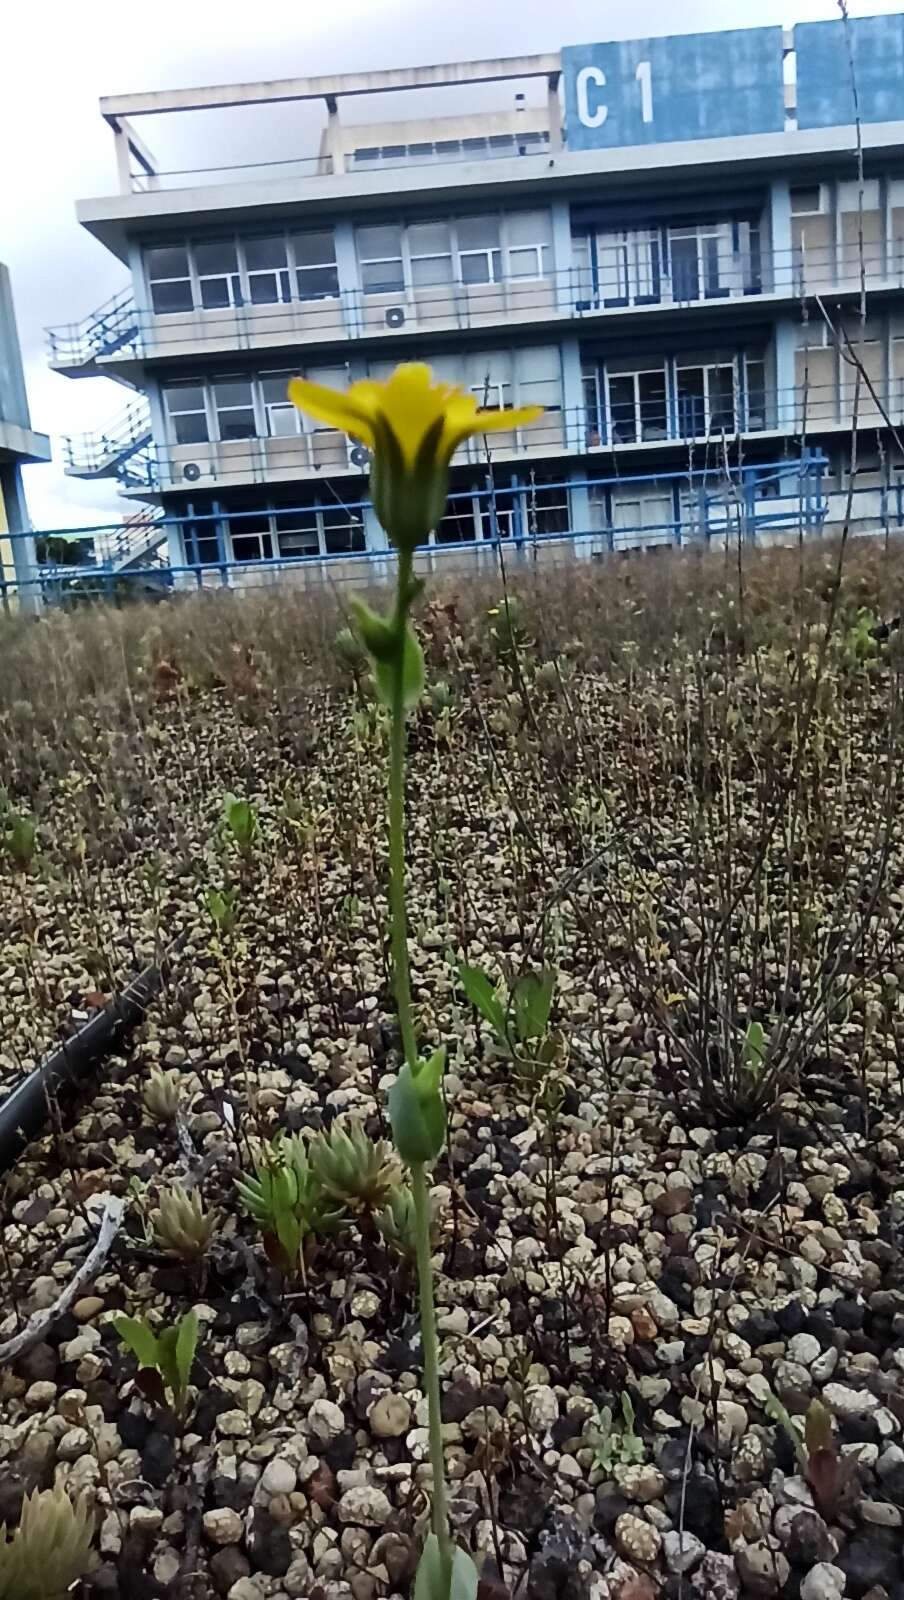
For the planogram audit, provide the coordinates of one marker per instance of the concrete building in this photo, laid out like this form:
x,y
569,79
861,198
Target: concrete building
x,y
663,241
19,445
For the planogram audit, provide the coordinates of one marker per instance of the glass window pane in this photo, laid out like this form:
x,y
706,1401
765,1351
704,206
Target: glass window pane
x,y
477,233
429,239
185,397
475,269
376,244
524,263
382,276
217,257
314,249
215,293
234,392
171,262
316,282
173,296
284,420
236,424
262,253
431,269
191,428
275,387
528,227
264,288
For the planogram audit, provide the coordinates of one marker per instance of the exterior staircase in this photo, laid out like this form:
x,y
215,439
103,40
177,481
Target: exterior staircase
x,y
118,451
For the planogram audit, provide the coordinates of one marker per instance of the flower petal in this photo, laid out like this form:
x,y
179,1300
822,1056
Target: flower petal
x,y
494,421
338,409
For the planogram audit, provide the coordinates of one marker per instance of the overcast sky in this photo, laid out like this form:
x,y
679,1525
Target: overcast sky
x,y
57,58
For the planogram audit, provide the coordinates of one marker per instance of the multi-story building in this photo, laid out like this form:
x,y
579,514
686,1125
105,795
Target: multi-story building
x,y
19,445
665,242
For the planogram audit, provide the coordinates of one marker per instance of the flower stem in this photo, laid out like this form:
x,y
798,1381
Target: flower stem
x,y
422,1215
398,918
402,983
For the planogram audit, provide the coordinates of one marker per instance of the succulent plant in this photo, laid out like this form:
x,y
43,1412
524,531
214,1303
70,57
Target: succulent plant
x,y
353,1168
397,1223
286,1199
181,1225
161,1094
49,1550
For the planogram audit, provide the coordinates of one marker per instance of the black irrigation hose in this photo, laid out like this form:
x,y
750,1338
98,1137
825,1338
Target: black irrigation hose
x,y
25,1111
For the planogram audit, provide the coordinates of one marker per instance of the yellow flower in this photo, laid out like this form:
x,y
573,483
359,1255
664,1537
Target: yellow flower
x,y
413,426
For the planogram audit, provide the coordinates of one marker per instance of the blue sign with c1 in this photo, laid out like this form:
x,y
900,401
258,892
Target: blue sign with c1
x,y
690,86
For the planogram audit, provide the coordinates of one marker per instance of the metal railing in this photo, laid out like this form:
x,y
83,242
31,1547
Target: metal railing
x,y
588,514
677,418
104,451
577,293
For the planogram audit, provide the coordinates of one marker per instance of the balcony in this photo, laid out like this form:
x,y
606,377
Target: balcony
x,y
711,420
581,295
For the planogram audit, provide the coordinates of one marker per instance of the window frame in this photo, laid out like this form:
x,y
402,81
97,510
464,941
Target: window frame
x,y
196,411
496,257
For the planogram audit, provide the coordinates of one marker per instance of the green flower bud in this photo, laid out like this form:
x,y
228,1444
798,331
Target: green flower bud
x,y
417,1112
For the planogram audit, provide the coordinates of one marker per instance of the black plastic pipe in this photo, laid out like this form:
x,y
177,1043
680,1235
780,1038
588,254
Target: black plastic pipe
x,y
25,1111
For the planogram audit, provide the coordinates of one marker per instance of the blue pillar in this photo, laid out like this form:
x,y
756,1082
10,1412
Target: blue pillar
x,y
780,236
785,398
562,256
349,279
575,432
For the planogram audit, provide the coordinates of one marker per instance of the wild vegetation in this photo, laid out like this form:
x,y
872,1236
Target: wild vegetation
x,y
654,887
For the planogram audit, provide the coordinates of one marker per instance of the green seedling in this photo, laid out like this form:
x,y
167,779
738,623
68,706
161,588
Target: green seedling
x,y
241,824
287,1201
614,1445
161,1094
832,1477
165,1358
20,840
753,1050
181,1225
519,1020
397,1224
222,908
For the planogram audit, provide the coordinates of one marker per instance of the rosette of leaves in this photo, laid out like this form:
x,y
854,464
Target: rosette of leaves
x,y
48,1551
161,1094
397,1224
182,1227
354,1169
285,1198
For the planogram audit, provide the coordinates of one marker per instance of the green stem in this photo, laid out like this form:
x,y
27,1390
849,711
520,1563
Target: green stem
x,y
402,983
422,1215
398,918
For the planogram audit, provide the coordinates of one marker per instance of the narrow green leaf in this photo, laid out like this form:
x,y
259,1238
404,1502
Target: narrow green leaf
x,y
483,997
532,999
429,1073
464,1576
755,1048
439,1580
186,1345
378,635
414,673
139,1338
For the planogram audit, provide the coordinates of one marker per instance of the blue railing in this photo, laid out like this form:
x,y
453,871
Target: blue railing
x,y
528,521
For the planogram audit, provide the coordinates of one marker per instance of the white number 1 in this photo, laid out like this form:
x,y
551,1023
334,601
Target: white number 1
x,y
644,77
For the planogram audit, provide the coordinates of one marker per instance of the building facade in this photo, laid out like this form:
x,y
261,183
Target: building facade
x,y
668,243
19,446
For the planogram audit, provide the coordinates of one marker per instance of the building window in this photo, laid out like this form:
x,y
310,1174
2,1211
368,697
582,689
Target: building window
x,y
380,258
234,406
479,249
297,534
528,237
251,537
169,279
316,273
343,530
187,412
284,420
637,406
706,399
430,249
267,270
217,267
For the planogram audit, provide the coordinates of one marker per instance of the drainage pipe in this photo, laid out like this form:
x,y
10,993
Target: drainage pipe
x,y
25,1111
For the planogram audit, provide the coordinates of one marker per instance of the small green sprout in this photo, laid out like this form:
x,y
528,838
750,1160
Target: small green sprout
x,y
241,823
353,1169
397,1224
20,839
222,908
617,1446
164,1359
161,1094
288,1202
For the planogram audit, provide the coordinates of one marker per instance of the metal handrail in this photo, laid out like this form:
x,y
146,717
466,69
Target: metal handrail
x,y
572,293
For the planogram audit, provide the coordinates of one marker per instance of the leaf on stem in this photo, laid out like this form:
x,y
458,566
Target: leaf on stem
x,y
414,674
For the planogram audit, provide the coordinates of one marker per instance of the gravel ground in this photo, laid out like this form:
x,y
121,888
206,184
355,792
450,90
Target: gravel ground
x,y
699,1258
